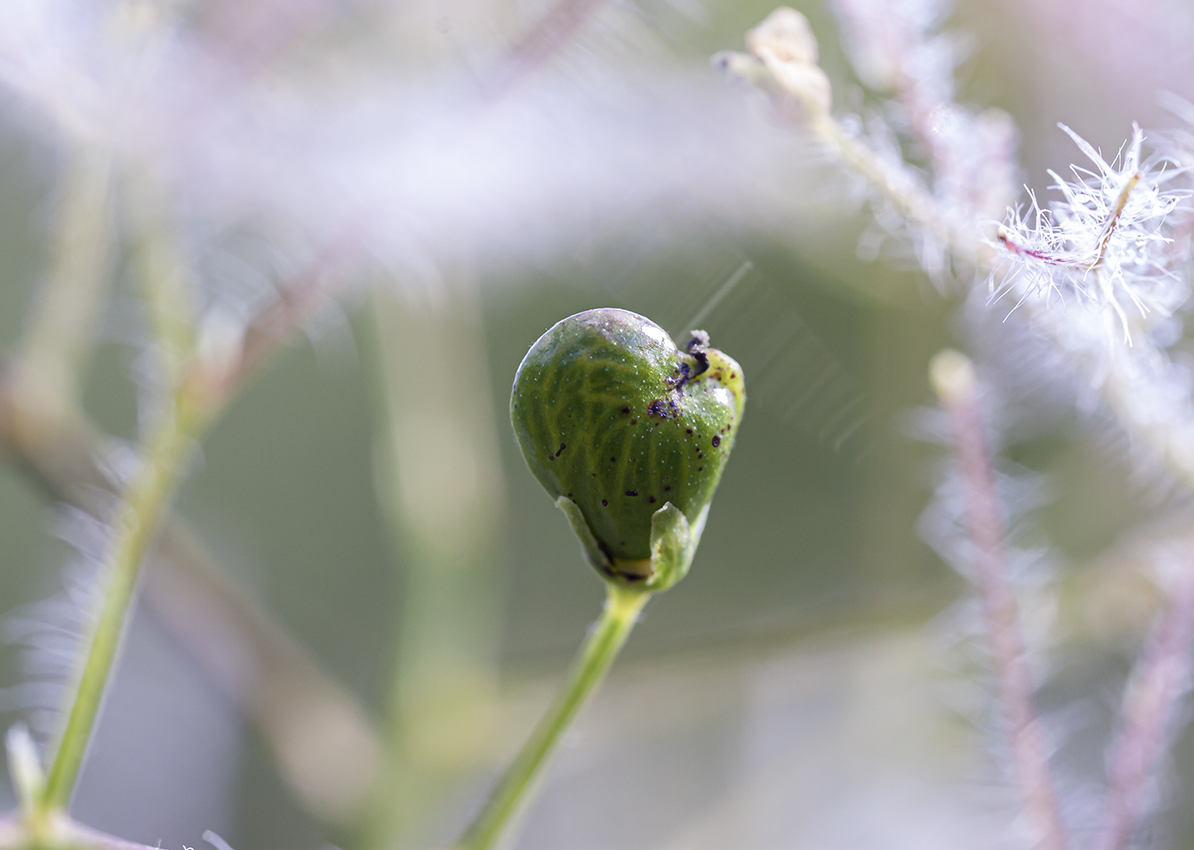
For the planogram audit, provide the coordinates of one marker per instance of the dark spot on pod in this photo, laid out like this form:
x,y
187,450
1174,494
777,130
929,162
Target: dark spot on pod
x,y
612,459
716,442
569,495
632,492
700,469
687,430
679,379
664,408
633,421
551,457
651,499
625,410
667,489
604,503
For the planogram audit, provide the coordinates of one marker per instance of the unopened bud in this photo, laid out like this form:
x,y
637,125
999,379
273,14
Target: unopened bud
x,y
625,430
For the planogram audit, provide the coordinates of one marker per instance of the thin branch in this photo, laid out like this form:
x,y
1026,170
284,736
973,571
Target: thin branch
x,y
953,378
1159,678
294,303
134,526
68,466
519,782
60,334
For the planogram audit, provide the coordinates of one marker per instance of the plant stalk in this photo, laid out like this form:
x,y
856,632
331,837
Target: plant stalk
x,y
133,531
953,378
517,785
1151,704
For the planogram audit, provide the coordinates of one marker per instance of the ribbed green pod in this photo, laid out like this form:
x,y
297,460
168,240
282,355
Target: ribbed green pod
x,y
612,416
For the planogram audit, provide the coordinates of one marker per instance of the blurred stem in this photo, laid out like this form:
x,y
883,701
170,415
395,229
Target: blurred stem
x,y
320,735
165,278
441,489
323,742
61,335
911,201
1150,706
1119,388
133,530
953,378
518,783
198,393
163,459
39,410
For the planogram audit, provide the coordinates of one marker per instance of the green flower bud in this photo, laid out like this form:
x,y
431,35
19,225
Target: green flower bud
x,y
630,434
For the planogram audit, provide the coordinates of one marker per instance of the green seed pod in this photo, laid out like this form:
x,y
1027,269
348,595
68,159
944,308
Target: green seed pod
x,y
618,424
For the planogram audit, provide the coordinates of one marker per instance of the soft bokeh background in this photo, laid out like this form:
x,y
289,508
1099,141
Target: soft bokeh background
x,y
812,682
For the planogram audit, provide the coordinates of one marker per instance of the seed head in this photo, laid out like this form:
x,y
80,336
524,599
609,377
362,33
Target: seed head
x,y
1103,241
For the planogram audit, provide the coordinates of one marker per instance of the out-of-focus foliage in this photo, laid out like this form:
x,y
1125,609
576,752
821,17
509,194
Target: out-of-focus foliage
x,y
489,168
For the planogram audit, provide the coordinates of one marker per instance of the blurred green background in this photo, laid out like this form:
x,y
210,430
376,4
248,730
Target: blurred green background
x,y
803,687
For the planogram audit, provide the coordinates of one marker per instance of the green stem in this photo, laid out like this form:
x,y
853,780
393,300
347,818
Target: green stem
x,y
133,531
443,684
61,336
622,606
